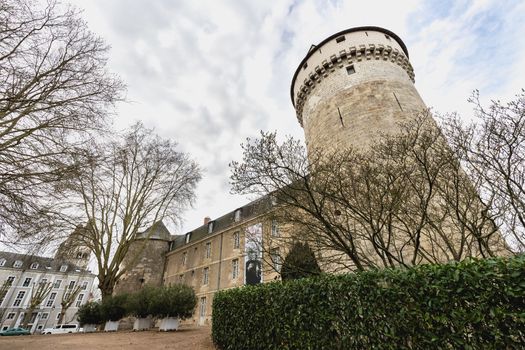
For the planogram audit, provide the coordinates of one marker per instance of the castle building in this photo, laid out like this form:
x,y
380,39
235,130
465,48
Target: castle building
x,y
347,90
22,275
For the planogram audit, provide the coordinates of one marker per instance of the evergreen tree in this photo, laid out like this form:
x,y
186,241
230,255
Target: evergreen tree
x,y
299,263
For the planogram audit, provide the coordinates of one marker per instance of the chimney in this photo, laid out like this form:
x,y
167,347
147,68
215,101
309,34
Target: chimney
x,y
207,220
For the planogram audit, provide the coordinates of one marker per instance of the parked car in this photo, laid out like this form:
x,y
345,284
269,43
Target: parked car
x,y
62,328
15,331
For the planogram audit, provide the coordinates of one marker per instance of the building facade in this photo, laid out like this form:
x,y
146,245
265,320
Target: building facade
x,y
21,276
348,89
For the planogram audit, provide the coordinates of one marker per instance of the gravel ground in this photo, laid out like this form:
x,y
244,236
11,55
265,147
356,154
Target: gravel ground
x,y
184,339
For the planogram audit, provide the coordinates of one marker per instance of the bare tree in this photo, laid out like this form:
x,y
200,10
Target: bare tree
x,y
404,201
125,186
54,89
492,151
68,298
38,294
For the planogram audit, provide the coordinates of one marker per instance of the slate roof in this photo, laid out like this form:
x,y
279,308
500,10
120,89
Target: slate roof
x,y
248,212
157,231
44,263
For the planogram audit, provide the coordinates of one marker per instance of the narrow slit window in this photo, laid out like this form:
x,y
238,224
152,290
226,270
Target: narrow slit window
x,y
350,69
305,65
340,39
387,36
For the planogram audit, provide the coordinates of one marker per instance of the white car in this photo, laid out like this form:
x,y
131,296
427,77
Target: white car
x,y
62,328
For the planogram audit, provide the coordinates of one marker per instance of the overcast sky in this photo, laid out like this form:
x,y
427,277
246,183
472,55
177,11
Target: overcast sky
x,y
209,74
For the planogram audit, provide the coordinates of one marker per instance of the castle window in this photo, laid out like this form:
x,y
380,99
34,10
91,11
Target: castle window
x,y
340,39
51,299
63,268
275,256
305,65
237,215
27,282
79,300
235,268
18,263
236,240
184,258
208,250
2,262
34,266
19,298
188,237
205,275
181,278
275,229
350,70
210,226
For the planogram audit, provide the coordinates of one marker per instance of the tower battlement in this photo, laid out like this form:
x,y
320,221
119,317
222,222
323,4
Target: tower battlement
x,y
353,85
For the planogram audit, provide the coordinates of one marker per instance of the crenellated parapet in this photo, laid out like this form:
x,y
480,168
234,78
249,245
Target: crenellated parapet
x,y
345,58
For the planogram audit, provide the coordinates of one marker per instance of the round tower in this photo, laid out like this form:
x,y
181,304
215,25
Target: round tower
x,y
353,85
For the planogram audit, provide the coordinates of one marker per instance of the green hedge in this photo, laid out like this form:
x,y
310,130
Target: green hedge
x,y
475,304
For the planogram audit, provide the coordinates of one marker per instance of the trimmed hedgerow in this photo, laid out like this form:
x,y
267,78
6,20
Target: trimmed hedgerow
x,y
474,304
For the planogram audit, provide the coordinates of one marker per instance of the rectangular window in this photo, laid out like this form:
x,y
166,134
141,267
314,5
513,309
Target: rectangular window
x,y
45,315
205,277
19,298
85,285
27,282
79,300
10,280
51,299
10,315
275,228
43,281
208,250
275,256
236,240
57,284
71,285
340,39
235,268
237,215
202,312
350,70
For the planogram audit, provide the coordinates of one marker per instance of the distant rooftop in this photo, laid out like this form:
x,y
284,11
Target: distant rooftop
x,y
36,263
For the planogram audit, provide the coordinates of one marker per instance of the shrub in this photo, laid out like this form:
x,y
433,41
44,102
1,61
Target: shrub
x,y
176,300
113,308
89,313
300,263
475,304
140,304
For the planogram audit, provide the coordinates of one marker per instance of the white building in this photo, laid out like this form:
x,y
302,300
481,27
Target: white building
x,y
20,277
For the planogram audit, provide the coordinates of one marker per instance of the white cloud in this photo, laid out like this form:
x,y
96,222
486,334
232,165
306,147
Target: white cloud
x,y
209,74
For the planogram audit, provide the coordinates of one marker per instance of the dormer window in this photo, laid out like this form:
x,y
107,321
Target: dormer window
x,y
34,266
18,263
210,226
188,237
63,268
237,215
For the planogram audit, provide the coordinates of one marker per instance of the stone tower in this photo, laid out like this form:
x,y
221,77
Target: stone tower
x,y
74,250
353,85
